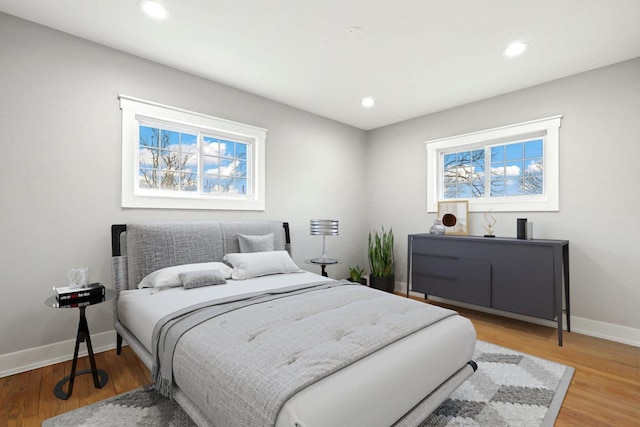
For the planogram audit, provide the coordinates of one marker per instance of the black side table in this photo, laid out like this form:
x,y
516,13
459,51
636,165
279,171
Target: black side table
x,y
100,377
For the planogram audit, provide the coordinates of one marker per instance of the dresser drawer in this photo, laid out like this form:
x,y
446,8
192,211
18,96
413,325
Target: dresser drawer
x,y
451,247
452,268
465,291
461,279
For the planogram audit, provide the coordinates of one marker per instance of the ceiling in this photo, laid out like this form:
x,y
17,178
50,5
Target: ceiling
x,y
413,57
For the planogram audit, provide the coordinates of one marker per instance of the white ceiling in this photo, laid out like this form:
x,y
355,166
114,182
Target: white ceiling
x,y
414,57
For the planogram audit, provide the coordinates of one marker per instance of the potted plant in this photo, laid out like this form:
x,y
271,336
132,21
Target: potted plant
x,y
381,261
356,275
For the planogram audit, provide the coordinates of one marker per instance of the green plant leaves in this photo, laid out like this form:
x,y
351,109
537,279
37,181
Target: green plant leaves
x,y
381,259
356,273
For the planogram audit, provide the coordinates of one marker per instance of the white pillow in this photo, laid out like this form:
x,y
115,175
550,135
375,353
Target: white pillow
x,y
169,277
255,264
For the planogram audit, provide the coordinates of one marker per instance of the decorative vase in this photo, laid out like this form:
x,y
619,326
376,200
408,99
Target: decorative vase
x,y
437,227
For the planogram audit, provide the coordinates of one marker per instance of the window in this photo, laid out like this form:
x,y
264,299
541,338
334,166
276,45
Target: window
x,y
515,170
512,168
174,158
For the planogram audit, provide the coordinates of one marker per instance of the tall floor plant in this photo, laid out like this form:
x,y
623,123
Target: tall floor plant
x,y
382,260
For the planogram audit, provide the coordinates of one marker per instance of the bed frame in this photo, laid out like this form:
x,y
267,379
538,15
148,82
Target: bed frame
x,y
212,240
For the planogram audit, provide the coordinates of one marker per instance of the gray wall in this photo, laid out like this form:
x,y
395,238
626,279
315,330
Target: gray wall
x,y
599,197
60,139
61,171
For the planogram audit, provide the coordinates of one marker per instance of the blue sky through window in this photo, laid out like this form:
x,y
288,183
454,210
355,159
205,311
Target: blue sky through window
x,y
172,160
516,169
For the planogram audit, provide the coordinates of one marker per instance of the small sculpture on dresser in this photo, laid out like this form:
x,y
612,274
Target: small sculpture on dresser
x,y
437,227
491,221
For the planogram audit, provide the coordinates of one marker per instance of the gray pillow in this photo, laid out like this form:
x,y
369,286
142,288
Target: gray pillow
x,y
264,243
197,279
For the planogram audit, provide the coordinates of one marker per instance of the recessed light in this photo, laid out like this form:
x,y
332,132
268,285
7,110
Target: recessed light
x,y
154,9
515,49
368,102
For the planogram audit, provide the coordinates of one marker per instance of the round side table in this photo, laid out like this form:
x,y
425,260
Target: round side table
x,y
323,264
100,377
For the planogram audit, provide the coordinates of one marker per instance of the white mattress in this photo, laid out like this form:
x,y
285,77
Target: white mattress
x,y
374,391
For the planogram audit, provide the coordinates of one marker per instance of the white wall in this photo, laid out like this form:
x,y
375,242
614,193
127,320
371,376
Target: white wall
x,y
599,196
61,166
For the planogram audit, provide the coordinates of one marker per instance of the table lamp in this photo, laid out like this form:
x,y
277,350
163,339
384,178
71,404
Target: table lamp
x,y
324,228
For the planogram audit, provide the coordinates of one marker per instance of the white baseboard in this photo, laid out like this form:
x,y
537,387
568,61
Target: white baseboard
x,y
33,358
607,331
580,325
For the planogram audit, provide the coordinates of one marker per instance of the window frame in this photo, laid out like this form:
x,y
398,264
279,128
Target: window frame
x,y
135,110
547,128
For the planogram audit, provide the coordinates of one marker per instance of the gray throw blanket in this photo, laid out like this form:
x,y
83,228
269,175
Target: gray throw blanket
x,y
170,328
255,352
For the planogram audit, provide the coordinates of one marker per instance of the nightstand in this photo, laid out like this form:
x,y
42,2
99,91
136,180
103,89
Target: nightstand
x,y
323,264
100,377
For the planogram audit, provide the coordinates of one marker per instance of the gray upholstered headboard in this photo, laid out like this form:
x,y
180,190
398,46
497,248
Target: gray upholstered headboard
x,y
150,246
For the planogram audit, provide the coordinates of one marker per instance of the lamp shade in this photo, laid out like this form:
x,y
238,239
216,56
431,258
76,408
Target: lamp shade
x,y
324,227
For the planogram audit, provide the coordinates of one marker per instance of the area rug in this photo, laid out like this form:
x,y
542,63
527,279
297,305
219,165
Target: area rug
x,y
508,389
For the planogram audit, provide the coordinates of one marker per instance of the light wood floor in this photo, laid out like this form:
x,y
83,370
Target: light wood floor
x,y
605,390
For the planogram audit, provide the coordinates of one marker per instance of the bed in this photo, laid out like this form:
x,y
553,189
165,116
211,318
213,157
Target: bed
x,y
239,335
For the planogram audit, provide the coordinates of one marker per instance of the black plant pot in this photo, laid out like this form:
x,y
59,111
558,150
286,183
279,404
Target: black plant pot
x,y
386,284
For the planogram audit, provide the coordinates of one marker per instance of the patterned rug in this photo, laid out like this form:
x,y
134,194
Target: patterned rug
x,y
508,389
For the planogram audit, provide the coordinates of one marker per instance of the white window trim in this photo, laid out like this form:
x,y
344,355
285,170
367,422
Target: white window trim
x,y
548,127
134,107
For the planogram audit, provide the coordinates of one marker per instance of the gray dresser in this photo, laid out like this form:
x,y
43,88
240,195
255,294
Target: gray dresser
x,y
519,276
